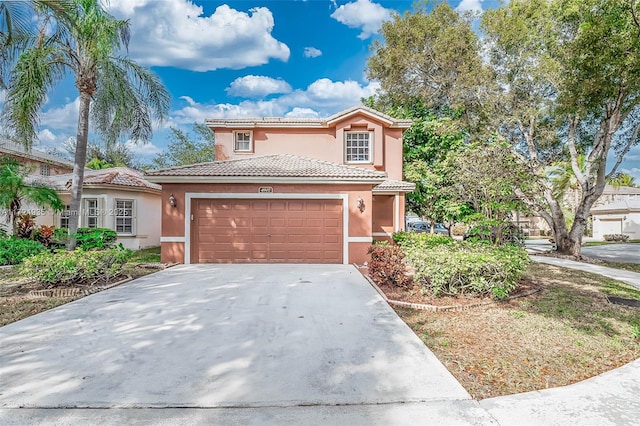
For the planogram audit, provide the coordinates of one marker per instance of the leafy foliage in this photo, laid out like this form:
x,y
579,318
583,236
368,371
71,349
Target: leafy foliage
x,y
78,266
14,250
95,238
25,225
45,234
185,148
466,268
420,240
387,266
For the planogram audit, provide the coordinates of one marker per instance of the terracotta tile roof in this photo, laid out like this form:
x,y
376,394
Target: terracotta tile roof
x,y
279,165
116,176
395,185
249,122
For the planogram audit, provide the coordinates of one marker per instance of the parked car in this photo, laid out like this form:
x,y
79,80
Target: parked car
x,y
426,227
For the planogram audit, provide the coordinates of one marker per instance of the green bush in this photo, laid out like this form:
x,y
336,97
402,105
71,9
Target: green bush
x,y
420,240
14,250
95,238
479,269
387,265
79,266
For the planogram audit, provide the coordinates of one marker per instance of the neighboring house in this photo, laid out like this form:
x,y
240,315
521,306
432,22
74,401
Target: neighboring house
x,y
621,193
40,163
118,198
618,217
287,190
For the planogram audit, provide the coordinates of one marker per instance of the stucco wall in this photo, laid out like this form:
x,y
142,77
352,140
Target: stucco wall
x,y
173,219
628,222
325,144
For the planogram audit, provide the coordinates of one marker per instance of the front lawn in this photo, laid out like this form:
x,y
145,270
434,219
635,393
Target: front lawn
x,y
17,303
565,333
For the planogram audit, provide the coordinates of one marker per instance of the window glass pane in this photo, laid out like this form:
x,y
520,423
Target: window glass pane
x,y
243,141
91,207
357,147
124,216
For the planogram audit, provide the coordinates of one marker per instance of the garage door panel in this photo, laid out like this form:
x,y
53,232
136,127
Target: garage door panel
x,y
292,231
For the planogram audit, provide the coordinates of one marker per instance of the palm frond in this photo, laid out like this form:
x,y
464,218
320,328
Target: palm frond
x,y
37,71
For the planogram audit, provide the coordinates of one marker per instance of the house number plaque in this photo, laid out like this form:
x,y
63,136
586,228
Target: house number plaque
x,y
265,189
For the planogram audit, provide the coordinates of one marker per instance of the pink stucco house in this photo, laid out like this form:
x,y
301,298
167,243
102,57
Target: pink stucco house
x,y
289,190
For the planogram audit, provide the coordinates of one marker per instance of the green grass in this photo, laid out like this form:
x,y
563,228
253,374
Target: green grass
x,y
148,255
633,267
605,243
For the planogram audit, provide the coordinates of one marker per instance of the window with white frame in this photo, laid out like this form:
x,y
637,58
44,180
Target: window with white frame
x,y
358,147
243,141
45,170
91,210
124,216
64,216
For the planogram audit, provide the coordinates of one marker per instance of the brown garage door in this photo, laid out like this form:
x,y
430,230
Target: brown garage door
x,y
266,231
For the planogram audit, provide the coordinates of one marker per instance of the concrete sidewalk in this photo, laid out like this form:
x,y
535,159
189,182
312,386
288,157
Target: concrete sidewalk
x,y
628,277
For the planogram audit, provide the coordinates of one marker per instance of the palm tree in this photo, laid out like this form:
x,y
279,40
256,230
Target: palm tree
x,y
121,96
15,190
17,30
621,179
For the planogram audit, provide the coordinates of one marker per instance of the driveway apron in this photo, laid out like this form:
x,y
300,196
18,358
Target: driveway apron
x,y
222,336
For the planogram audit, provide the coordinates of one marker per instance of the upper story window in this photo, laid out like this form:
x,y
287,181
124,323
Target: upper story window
x,y
358,147
45,170
243,141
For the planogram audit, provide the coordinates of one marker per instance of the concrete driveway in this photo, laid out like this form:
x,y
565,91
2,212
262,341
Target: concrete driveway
x,y
224,336
623,253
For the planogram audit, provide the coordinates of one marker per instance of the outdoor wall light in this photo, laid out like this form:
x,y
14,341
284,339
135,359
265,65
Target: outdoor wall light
x,y
172,201
360,204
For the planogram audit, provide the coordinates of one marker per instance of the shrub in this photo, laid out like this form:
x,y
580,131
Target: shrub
x,y
78,266
60,237
44,234
95,238
387,265
458,230
479,269
495,233
616,237
25,225
14,250
420,240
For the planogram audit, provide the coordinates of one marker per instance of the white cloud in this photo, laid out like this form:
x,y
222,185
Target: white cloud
x,y
46,136
64,117
176,33
302,113
142,149
362,14
321,98
257,86
470,5
312,52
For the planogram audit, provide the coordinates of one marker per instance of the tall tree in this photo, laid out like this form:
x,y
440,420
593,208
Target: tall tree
x,y
121,96
186,148
433,56
621,179
570,72
15,190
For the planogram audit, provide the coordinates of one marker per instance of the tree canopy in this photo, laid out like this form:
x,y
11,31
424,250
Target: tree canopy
x,y
185,148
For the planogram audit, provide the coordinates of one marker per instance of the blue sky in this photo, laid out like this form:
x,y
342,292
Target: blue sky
x,y
249,58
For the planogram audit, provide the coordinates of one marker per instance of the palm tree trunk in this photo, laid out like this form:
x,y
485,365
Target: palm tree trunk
x,y
78,167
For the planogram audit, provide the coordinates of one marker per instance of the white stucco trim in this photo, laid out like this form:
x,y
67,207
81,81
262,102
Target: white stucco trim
x,y
190,196
264,179
396,213
172,239
382,234
360,239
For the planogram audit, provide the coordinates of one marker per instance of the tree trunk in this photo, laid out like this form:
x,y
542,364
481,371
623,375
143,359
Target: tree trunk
x,y
78,167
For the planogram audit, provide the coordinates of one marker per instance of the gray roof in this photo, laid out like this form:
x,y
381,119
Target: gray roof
x,y
113,176
395,186
621,190
621,206
10,147
249,122
273,166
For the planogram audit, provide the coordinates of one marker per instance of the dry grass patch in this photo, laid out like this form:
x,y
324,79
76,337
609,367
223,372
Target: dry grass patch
x,y
563,334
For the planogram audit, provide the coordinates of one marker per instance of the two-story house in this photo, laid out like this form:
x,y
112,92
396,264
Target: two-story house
x,y
39,162
287,190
